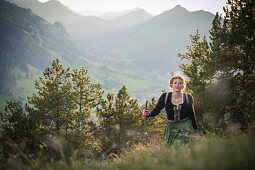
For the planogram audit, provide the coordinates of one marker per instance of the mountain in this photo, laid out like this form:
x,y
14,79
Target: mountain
x,y
52,10
115,15
21,26
141,56
107,15
154,44
88,28
27,43
26,3
81,27
133,17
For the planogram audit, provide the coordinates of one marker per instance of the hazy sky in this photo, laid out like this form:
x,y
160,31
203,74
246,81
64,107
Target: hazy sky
x,y
151,6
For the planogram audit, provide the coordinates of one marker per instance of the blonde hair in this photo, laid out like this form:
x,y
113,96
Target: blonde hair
x,y
177,76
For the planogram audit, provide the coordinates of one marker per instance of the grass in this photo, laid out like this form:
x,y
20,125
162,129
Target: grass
x,y
132,84
26,85
209,152
121,75
201,153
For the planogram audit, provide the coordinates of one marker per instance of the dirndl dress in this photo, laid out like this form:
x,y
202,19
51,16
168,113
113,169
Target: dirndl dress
x,y
178,131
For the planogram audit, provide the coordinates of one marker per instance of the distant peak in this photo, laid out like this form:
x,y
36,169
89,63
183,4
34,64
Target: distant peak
x,y
179,8
53,2
137,9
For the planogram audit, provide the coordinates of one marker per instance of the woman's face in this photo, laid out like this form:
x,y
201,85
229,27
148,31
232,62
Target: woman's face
x,y
177,85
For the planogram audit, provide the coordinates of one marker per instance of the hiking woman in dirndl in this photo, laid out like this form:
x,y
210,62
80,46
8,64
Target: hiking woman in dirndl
x,y
179,106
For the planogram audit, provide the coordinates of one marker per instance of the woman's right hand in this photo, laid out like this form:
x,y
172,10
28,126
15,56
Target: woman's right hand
x,y
146,112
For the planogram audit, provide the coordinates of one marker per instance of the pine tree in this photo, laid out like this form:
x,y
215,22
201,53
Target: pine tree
x,y
120,121
155,126
18,132
198,54
58,119
198,69
106,129
233,46
208,88
127,117
53,104
222,73
87,96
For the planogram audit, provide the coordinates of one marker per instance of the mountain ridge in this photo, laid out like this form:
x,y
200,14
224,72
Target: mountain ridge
x,y
79,27
156,42
116,14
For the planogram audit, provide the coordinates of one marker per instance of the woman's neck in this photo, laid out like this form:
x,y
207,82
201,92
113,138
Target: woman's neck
x,y
177,94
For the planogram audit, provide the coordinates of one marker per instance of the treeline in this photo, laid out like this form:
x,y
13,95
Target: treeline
x,y
69,116
222,71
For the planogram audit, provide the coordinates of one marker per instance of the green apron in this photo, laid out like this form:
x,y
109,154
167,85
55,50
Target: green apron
x,y
178,131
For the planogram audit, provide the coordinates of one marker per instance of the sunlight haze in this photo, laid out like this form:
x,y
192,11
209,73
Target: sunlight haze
x,y
151,6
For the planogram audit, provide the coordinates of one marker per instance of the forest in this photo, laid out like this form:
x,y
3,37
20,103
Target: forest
x,y
71,123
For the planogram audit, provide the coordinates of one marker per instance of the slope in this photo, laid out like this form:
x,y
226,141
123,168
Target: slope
x,y
28,44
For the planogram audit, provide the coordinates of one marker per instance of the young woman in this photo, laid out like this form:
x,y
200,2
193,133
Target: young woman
x,y
181,122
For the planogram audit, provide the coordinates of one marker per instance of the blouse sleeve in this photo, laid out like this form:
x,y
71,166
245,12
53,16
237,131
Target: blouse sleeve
x,y
192,113
160,105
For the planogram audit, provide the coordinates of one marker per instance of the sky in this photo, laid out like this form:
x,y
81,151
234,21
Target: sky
x,y
151,6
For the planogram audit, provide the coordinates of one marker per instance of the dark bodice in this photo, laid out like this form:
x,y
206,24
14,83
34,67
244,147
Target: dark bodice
x,y
187,109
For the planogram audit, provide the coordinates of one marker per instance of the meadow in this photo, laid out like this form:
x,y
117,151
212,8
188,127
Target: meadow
x,y
233,150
